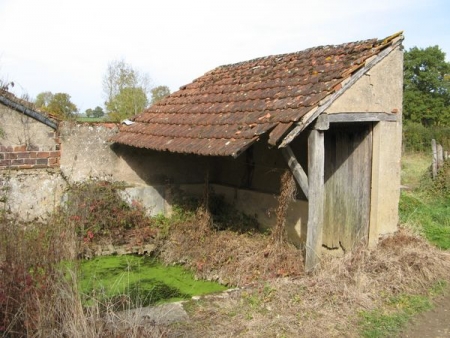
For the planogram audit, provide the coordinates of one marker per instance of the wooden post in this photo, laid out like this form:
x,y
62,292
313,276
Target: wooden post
x,y
440,156
316,161
434,163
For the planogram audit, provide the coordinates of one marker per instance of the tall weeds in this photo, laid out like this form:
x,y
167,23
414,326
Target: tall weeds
x,y
39,295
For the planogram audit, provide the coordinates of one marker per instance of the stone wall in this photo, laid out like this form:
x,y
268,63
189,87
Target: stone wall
x,y
31,194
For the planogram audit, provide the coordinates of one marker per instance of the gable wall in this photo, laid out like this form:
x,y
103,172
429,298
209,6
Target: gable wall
x,y
26,143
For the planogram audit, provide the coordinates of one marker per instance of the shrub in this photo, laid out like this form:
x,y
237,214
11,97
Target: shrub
x,y
417,138
95,207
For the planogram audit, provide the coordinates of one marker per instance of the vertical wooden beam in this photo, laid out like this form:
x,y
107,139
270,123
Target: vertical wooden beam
x,y
316,162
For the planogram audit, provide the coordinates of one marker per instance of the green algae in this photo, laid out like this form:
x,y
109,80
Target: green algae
x,y
140,280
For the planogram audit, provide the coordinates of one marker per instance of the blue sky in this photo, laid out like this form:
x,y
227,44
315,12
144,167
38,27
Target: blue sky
x,y
65,45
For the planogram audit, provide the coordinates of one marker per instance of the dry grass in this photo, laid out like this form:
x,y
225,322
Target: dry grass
x,y
275,297
232,257
327,303
229,257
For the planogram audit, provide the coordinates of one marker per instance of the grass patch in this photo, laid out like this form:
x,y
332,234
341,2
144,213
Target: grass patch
x,y
390,320
414,167
431,217
139,281
426,207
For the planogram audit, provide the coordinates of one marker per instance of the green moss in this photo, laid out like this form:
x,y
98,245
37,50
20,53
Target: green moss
x,y
142,280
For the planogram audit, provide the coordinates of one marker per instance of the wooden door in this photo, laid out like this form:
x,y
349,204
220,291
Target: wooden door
x,y
348,171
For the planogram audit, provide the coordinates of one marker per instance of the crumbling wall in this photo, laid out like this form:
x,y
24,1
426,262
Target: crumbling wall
x,y
31,194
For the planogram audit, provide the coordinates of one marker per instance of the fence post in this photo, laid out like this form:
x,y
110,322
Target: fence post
x,y
440,156
434,163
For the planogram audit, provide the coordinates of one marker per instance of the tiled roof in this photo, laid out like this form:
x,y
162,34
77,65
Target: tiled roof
x,y
227,109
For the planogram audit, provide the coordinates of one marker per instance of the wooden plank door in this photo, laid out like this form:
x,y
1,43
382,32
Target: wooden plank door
x,y
348,171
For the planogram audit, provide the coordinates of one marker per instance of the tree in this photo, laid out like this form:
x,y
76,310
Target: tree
x,y
126,90
58,104
128,102
95,113
98,112
43,99
426,86
159,93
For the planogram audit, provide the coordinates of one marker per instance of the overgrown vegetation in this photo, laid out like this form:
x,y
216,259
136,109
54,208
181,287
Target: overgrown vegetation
x,y
426,206
40,295
97,209
229,246
335,301
374,291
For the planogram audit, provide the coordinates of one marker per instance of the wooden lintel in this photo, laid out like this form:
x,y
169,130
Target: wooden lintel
x,y
316,167
296,169
361,117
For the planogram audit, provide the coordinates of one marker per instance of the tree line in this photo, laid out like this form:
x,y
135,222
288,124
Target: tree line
x,y
127,92
426,99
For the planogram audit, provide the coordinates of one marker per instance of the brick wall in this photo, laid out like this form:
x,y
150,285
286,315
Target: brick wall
x,y
31,156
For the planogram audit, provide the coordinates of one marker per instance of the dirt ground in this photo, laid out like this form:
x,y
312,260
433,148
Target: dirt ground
x,y
431,324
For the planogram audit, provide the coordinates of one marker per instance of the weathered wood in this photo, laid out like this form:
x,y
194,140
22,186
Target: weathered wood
x,y
322,122
316,160
278,132
362,117
296,169
308,118
434,163
348,158
440,156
